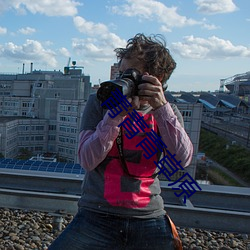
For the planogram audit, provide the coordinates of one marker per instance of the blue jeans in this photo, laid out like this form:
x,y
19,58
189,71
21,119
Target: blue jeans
x,y
94,231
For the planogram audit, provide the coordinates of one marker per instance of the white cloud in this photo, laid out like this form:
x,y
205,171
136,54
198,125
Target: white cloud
x,y
210,7
207,26
94,49
100,43
27,31
3,30
4,5
211,48
30,51
155,10
63,51
46,7
89,28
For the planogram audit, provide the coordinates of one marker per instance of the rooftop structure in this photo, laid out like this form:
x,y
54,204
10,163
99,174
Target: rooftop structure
x,y
238,84
216,102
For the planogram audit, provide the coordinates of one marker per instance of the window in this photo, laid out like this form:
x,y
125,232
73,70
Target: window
x,y
39,138
51,137
52,127
186,113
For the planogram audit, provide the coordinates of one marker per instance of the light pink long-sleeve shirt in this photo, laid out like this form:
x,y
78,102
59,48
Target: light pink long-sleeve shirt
x,y
94,145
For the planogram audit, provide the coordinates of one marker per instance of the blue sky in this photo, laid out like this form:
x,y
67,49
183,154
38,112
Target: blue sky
x,y
209,39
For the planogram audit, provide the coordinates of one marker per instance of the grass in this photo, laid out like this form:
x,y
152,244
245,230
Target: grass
x,y
218,177
234,157
215,176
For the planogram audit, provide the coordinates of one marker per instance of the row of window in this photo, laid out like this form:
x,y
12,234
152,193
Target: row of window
x,y
10,104
13,141
62,139
63,107
12,113
57,95
22,128
67,129
66,151
31,138
31,128
5,93
27,104
9,112
186,113
11,131
5,86
69,108
67,140
52,127
68,118
51,137
35,149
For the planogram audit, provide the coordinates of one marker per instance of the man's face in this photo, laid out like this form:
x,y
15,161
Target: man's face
x,y
131,64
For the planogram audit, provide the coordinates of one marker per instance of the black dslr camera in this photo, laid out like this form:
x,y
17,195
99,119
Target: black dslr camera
x,y
127,83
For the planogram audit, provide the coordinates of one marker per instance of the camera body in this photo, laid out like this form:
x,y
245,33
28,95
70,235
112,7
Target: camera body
x,y
127,84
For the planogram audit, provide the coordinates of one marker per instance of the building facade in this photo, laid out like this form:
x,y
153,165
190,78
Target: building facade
x,y
192,115
40,111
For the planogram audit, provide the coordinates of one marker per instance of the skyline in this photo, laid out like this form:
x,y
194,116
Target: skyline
x,y
207,38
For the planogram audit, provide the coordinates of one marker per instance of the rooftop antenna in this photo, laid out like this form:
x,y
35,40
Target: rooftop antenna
x,y
66,68
69,62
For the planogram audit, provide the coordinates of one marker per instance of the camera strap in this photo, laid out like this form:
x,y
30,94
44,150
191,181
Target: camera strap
x,y
119,142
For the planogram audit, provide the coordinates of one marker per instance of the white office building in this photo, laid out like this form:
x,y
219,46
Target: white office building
x,y
40,111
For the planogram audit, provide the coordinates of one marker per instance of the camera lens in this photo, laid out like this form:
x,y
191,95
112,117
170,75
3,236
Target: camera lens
x,y
106,89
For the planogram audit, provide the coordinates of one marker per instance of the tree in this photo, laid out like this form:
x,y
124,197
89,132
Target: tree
x,y
24,154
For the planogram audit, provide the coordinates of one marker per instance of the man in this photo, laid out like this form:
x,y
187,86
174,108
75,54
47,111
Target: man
x,y
120,206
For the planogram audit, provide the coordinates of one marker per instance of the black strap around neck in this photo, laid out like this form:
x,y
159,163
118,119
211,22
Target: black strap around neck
x,y
119,142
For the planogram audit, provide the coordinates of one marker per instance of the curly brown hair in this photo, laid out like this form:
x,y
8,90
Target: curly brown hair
x,y
152,51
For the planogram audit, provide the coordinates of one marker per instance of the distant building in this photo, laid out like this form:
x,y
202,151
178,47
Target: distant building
x,y
233,102
238,84
41,111
192,115
216,103
114,72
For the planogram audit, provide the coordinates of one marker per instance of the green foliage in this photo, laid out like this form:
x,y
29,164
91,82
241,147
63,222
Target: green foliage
x,y
24,154
234,157
218,177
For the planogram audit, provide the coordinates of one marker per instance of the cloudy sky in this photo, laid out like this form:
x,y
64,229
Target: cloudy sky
x,y
209,39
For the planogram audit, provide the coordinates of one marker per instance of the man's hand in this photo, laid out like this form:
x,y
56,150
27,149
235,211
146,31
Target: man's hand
x,y
135,102
152,91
